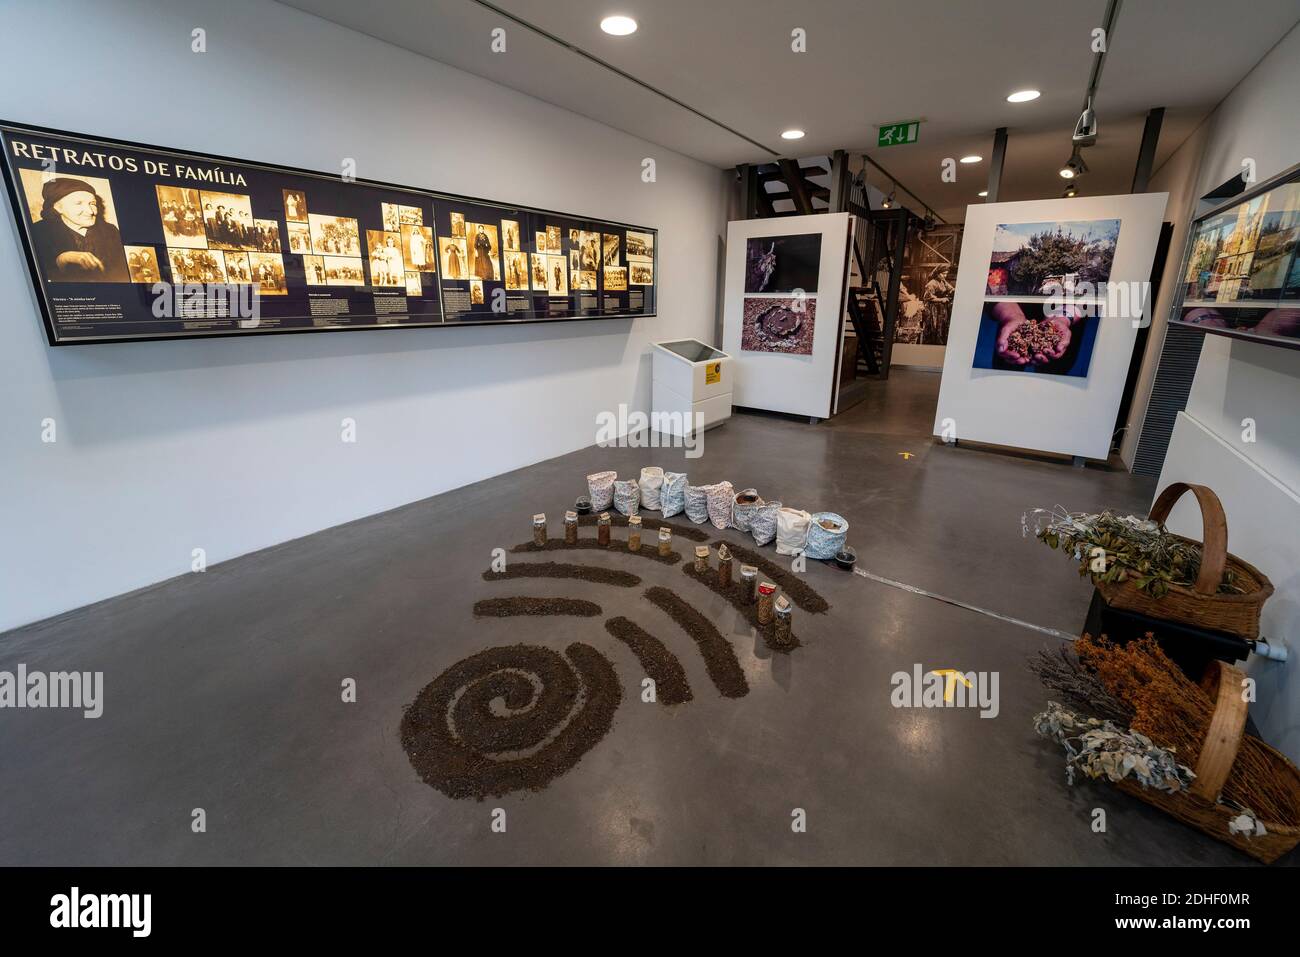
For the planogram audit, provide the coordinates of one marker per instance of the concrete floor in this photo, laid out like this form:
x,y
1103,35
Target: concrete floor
x,y
223,688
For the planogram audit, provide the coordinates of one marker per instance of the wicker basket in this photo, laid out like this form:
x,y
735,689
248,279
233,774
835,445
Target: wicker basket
x,y
1201,605
1197,806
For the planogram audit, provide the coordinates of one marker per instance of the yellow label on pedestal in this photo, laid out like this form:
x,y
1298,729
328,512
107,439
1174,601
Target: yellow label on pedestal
x,y
712,373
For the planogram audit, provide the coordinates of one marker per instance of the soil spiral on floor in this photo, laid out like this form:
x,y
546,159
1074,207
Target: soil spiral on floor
x,y
648,550
589,573
735,593
522,605
719,657
510,718
660,664
798,590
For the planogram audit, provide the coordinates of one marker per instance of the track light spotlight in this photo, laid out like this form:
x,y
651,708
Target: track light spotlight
x,y
1074,166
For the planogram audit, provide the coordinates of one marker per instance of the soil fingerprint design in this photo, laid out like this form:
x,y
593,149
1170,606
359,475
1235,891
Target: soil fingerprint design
x,y
590,573
649,550
660,664
519,605
799,591
510,718
719,657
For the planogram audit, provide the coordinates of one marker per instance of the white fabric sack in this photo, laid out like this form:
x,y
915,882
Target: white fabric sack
x,y
652,483
763,524
627,497
720,497
696,503
672,497
600,489
791,530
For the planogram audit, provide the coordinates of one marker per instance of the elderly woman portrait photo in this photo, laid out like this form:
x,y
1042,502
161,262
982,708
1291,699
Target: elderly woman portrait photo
x,y
74,239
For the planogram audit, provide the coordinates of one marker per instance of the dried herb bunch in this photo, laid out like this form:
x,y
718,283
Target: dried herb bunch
x,y
1061,671
1105,749
1136,549
1175,713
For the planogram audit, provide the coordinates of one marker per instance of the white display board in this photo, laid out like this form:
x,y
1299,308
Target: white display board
x,y
1068,414
777,381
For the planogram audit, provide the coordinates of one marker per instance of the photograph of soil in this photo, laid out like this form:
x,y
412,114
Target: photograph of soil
x,y
652,525
660,664
519,605
588,573
795,588
648,550
510,718
778,325
719,657
735,594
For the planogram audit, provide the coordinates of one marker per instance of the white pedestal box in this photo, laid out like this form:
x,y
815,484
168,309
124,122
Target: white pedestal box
x,y
689,379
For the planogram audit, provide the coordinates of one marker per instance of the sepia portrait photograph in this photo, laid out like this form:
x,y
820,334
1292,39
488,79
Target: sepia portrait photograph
x,y
458,225
295,205
196,266
74,227
237,268
267,235
484,251
334,236
228,220
516,265
615,278
142,264
539,272
610,250
642,274
414,286
587,279
417,247
510,235
182,217
299,238
539,241
640,246
589,254
455,264
268,273
386,266
314,268
553,239
476,292
344,271
557,276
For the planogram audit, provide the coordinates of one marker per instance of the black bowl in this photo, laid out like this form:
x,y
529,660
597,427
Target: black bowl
x,y
582,506
846,559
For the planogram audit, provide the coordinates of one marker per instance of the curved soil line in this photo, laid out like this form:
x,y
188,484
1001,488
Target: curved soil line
x,y
660,664
735,593
588,573
648,550
798,590
719,657
519,605
689,532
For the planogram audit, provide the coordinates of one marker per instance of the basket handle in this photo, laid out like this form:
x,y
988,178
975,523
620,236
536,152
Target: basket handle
x,y
1223,736
1214,531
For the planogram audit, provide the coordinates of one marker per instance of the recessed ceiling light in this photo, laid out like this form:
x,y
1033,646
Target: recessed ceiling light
x,y
618,26
971,159
983,192
1023,96
792,135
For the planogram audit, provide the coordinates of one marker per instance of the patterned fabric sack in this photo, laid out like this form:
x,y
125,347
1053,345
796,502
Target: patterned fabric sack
x,y
627,497
672,498
763,525
696,503
600,489
721,498
652,483
745,504
791,530
824,542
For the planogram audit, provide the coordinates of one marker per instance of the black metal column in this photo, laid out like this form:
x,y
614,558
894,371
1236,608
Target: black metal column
x,y
995,164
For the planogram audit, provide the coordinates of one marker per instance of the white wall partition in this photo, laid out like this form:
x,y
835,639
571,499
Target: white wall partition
x,y
1049,413
234,445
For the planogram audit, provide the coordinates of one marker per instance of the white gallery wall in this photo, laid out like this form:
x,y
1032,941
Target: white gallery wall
x,y
1256,474
234,445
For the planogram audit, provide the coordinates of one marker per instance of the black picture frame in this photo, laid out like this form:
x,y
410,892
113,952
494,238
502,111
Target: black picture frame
x,y
21,220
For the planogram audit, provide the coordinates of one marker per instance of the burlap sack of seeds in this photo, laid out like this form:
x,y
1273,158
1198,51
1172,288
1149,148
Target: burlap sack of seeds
x,y
627,496
791,530
672,497
600,489
721,498
696,503
743,506
652,483
763,525
824,542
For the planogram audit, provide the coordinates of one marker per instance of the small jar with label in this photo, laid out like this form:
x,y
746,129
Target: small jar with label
x,y
602,529
749,583
665,541
634,533
570,528
783,614
539,530
766,594
701,558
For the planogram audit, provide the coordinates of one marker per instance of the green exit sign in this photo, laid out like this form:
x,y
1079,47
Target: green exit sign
x,y
897,133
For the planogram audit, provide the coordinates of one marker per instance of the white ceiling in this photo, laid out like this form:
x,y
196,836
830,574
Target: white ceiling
x,y
949,63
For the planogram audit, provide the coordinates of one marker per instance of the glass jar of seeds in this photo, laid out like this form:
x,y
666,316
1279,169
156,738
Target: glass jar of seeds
x,y
539,530
665,541
634,533
602,529
570,528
